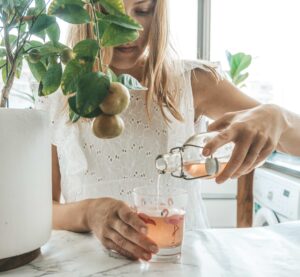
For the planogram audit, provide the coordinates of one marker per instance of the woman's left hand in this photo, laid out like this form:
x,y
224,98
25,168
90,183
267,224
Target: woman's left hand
x,y
255,132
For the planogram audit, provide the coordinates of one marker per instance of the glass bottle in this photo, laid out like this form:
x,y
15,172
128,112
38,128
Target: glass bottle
x,y
188,162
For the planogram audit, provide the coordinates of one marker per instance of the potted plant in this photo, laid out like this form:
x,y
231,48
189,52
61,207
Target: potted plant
x,y
238,63
30,33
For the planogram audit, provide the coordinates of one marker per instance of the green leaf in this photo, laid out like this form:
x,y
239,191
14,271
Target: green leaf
x,y
38,70
42,23
2,52
33,11
74,117
19,67
73,14
229,57
72,104
40,89
93,87
12,40
53,32
102,25
73,70
111,75
41,35
51,48
32,44
5,71
115,35
57,4
244,62
52,79
113,6
2,62
86,50
239,62
241,78
130,82
40,5
121,20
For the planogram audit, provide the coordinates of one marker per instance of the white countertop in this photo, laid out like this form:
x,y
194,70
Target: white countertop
x,y
270,251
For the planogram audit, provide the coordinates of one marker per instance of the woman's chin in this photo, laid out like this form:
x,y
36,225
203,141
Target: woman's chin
x,y
124,61
125,64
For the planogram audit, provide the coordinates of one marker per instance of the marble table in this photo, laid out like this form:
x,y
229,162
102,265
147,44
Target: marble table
x,y
270,251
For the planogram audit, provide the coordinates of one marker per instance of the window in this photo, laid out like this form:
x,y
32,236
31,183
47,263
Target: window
x,y
183,25
269,31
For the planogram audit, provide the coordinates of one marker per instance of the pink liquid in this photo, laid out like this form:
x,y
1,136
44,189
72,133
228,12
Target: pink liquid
x,y
199,170
165,230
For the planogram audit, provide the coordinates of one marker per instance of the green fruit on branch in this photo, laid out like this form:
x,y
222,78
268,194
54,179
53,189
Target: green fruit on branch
x,y
66,55
108,126
34,56
117,100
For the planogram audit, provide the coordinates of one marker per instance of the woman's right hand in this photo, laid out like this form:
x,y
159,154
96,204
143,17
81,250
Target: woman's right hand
x,y
119,228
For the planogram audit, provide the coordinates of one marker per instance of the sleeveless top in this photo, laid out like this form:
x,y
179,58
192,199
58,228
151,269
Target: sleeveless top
x,y
91,167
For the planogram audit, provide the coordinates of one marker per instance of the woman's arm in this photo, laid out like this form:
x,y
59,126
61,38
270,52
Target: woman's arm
x,y
289,141
256,129
71,217
215,99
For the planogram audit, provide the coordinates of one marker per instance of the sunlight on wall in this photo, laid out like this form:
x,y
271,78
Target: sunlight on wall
x,y
183,25
269,31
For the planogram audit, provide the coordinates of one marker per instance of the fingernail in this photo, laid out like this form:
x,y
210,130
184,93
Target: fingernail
x,y
146,256
206,152
153,249
144,230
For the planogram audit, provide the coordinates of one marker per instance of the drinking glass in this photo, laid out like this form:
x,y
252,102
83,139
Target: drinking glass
x,y
163,210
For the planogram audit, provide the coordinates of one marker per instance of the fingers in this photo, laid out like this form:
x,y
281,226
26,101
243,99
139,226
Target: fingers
x,y
124,246
220,123
238,155
252,156
265,152
250,150
131,218
135,237
224,137
109,244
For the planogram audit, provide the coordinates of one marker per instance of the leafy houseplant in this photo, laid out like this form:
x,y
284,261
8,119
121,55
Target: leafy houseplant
x,y
84,78
29,32
238,63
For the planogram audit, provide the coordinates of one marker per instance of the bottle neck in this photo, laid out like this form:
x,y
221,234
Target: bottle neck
x,y
168,163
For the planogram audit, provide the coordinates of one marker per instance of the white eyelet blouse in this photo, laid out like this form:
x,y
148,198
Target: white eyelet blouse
x,y
91,167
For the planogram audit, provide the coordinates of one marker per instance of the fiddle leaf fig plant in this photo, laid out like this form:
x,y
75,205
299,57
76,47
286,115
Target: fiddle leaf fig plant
x,y
238,63
30,32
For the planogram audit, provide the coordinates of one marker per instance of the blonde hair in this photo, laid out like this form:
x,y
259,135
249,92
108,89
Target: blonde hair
x,y
161,72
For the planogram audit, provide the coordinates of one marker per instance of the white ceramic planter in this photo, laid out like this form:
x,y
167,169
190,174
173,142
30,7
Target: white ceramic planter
x,y
25,181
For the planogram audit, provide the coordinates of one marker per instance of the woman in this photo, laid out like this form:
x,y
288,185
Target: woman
x,y
96,176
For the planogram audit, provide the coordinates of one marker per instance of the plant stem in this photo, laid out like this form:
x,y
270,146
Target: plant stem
x,y
7,87
97,36
12,60
7,44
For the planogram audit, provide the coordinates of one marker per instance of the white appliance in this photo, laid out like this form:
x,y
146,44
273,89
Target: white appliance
x,y
276,197
221,203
